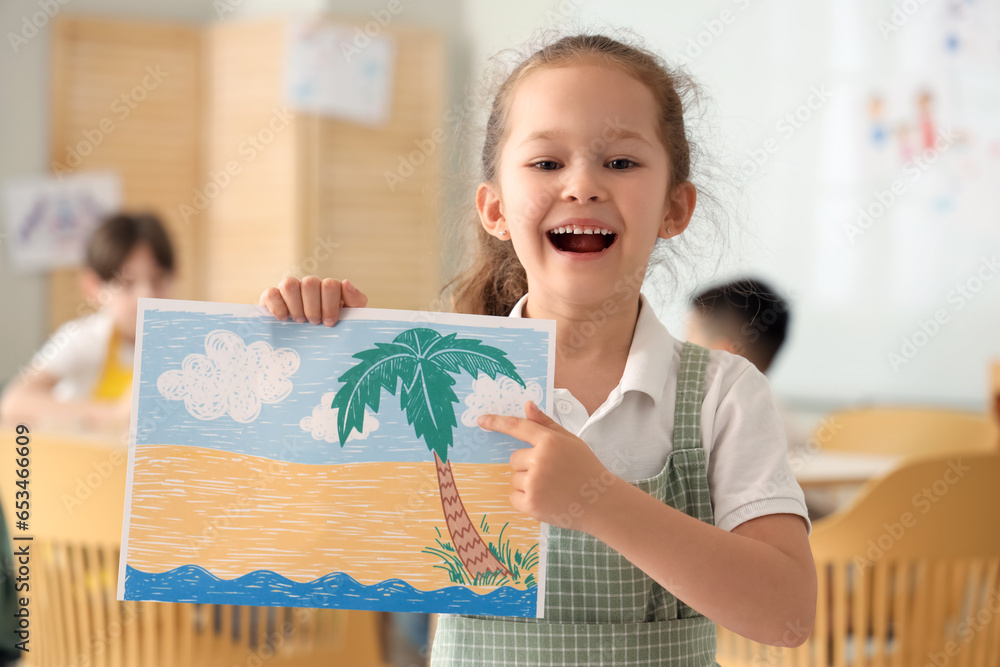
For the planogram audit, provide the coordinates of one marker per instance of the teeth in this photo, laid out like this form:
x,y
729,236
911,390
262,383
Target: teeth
x,y
577,230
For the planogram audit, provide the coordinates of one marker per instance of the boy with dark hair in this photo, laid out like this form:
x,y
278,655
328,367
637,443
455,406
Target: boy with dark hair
x,y
81,378
745,317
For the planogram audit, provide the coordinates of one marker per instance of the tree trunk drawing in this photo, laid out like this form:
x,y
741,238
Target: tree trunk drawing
x,y
420,363
470,547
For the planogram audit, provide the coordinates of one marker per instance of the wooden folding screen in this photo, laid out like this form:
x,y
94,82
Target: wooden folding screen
x,y
126,95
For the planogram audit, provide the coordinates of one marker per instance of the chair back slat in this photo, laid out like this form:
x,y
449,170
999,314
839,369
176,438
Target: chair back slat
x,y
838,580
991,567
860,611
881,601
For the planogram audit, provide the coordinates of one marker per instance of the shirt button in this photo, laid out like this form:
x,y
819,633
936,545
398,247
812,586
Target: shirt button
x,y
564,407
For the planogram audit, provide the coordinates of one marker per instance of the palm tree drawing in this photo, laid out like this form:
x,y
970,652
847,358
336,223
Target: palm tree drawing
x,y
422,360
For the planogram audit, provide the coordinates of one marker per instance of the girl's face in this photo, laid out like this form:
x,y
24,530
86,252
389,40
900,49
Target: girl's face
x,y
584,184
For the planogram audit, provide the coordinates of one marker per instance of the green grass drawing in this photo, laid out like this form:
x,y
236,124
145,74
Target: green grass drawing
x,y
517,564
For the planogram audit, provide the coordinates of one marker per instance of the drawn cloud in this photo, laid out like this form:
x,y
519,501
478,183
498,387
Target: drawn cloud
x,y
502,396
230,378
322,424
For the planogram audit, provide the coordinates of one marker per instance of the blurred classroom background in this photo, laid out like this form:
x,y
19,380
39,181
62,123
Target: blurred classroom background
x,y
851,160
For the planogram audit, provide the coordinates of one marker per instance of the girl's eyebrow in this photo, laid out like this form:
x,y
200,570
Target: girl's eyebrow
x,y
541,135
608,135
629,134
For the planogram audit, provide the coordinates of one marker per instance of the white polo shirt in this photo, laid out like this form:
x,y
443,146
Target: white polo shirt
x,y
632,431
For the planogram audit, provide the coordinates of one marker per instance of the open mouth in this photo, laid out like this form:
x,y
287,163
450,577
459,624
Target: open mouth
x,y
582,240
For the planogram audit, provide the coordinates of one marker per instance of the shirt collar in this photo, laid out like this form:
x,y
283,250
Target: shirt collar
x,y
649,357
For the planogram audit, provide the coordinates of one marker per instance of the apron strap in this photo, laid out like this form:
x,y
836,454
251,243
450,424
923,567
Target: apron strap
x,y
689,397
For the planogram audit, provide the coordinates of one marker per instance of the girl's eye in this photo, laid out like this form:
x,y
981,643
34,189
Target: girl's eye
x,y
621,163
546,165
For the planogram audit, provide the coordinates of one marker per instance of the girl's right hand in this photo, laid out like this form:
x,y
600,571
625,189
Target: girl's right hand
x,y
312,299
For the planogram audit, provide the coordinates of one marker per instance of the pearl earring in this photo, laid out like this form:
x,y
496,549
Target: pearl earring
x,y
503,232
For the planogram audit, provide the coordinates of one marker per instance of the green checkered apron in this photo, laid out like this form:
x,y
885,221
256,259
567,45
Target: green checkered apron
x,y
599,608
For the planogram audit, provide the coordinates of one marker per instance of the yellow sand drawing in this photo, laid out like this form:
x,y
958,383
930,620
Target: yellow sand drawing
x,y
233,514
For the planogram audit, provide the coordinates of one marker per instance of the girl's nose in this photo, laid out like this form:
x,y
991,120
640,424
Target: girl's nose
x,y
582,184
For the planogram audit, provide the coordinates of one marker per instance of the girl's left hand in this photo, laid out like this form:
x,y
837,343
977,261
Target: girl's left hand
x,y
558,479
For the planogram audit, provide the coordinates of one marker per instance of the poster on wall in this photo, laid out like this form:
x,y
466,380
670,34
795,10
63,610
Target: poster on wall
x,y
48,219
339,71
284,464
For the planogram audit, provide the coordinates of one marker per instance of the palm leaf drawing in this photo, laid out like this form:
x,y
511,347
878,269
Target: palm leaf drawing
x,y
379,369
419,363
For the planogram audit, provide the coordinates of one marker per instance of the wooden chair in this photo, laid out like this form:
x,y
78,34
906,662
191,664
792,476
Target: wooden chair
x,y
77,499
908,574
907,431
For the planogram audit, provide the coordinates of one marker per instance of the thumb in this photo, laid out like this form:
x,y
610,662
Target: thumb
x,y
352,296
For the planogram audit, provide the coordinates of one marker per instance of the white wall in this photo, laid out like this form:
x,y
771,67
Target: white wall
x,y
855,296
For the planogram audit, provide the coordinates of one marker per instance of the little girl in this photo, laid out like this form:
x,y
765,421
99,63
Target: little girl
x,y
664,464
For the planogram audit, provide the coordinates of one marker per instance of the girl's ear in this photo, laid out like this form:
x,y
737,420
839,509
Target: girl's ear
x,y
680,208
490,209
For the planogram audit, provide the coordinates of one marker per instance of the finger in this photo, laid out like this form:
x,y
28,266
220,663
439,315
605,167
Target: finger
x,y
292,294
312,305
519,480
522,459
271,299
517,499
330,295
535,414
515,427
353,297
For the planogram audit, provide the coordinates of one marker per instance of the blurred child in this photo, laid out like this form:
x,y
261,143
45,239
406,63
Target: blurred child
x,y
81,378
745,317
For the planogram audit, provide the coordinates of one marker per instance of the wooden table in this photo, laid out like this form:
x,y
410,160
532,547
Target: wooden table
x,y
841,468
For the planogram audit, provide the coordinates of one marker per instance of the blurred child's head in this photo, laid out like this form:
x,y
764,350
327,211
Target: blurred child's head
x,y
128,256
745,317
583,100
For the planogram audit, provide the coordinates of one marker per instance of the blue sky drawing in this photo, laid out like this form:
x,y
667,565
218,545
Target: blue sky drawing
x,y
325,353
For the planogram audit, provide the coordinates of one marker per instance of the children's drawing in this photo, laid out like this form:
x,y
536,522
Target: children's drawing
x,y
330,72
268,467
50,218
